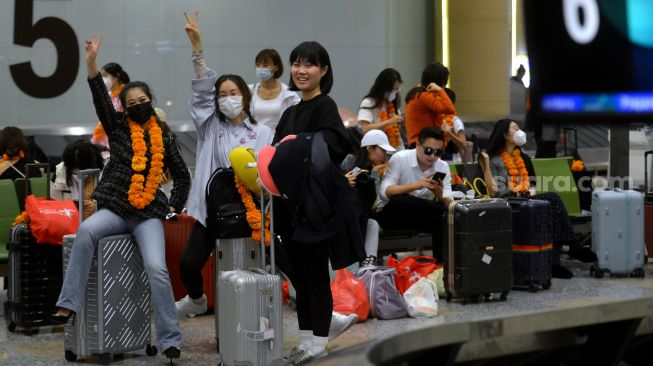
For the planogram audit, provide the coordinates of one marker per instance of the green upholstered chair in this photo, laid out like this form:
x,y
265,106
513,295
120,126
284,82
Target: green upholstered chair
x,y
554,175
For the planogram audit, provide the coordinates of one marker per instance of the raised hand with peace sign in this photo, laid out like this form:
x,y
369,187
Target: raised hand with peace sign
x,y
193,30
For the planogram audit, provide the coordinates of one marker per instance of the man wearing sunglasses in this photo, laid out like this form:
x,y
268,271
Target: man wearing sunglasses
x,y
416,189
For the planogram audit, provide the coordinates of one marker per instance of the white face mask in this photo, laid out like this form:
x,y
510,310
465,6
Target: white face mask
x,y
231,106
263,73
108,82
519,138
391,95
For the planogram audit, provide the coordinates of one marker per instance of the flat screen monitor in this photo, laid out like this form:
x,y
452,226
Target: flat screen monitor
x,y
590,60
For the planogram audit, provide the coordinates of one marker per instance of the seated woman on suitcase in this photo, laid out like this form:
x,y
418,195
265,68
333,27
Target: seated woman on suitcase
x,y
508,172
220,110
129,200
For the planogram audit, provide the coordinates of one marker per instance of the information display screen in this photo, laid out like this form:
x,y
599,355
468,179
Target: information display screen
x,y
590,60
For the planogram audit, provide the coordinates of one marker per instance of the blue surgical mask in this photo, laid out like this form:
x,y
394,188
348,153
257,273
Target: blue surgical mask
x,y
263,73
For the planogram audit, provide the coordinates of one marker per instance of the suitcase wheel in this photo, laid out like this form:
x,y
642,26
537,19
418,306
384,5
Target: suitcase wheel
x,y
487,297
448,300
533,288
151,350
70,356
105,359
638,272
504,296
11,327
547,285
596,272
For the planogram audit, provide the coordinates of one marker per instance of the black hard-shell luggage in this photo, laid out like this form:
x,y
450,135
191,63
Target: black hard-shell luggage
x,y
478,249
532,243
35,277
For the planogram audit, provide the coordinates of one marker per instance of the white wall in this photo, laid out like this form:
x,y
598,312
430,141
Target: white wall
x,y
147,38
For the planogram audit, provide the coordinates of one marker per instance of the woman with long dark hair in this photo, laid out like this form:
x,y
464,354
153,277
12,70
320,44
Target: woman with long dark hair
x,y
129,200
379,109
509,172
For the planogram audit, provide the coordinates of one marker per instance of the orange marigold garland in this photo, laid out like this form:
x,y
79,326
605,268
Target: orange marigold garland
x,y
20,155
394,135
516,168
23,218
141,190
577,166
253,214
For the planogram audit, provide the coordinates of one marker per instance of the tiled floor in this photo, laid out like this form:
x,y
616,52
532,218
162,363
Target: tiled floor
x,y
199,347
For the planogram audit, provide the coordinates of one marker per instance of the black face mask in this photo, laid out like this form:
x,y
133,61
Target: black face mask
x,y
140,113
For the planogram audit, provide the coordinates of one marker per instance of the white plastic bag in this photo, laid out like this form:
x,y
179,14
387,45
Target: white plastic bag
x,y
422,299
437,277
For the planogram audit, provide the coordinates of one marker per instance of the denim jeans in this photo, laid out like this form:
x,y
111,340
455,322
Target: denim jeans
x,y
150,240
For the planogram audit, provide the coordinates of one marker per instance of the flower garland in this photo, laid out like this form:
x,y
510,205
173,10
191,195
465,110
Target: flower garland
x,y
142,191
516,168
253,214
20,155
394,136
448,119
23,218
577,166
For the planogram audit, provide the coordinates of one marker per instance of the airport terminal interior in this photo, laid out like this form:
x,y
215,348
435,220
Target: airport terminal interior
x,y
548,70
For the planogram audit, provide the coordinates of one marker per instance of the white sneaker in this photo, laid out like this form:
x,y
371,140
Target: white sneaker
x,y
188,307
340,323
368,262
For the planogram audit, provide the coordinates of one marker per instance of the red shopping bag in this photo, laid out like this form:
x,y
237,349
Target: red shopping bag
x,y
349,295
50,220
411,269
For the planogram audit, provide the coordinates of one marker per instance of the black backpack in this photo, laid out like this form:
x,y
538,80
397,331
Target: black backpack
x,y
225,209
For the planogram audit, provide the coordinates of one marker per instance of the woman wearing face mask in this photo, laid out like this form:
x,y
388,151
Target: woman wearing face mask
x,y
129,201
219,107
270,97
115,79
508,170
379,110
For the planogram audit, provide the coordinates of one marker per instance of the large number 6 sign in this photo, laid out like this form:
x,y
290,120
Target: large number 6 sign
x,y
581,33
65,41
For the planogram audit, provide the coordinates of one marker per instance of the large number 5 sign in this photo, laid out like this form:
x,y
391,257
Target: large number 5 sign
x,y
65,41
585,32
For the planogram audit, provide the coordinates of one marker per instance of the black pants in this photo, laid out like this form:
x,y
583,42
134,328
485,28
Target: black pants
x,y
408,212
307,267
197,251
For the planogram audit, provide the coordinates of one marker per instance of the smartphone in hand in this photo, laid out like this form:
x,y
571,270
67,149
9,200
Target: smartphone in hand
x,y
356,171
439,176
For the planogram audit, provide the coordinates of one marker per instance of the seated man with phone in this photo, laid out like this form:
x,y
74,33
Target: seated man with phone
x,y
416,189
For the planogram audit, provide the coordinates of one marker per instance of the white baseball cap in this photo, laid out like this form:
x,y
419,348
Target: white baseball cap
x,y
378,138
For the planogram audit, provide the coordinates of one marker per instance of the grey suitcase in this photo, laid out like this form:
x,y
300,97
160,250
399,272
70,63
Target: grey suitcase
x,y
250,308
618,233
116,315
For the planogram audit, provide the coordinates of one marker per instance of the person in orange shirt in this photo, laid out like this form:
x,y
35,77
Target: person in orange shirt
x,y
426,105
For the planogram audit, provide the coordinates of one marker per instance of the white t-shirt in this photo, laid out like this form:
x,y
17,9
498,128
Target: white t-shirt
x,y
458,125
404,169
268,112
369,114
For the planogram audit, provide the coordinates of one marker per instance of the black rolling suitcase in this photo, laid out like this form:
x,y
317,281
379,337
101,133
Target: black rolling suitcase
x,y
532,243
478,249
35,277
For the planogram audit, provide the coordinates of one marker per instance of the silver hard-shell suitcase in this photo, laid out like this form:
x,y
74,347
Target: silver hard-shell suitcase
x,y
116,314
250,310
618,233
115,317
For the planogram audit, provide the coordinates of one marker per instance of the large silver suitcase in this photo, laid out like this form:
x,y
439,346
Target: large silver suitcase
x,y
115,317
250,330
618,233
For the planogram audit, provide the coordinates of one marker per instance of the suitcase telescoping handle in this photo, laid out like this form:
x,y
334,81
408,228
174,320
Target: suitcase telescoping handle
x,y
569,129
264,209
80,176
28,167
647,194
